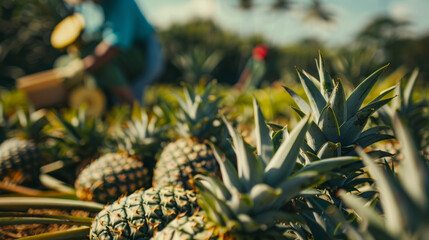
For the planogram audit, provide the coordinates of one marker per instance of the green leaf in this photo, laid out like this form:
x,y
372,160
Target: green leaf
x,y
414,173
315,137
365,141
263,141
264,196
351,130
357,97
317,101
23,203
250,170
283,161
76,233
326,165
292,186
398,209
409,88
368,215
328,150
229,172
376,105
215,186
329,125
302,104
326,83
338,103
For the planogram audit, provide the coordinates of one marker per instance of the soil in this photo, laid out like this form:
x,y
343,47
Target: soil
x,y
24,230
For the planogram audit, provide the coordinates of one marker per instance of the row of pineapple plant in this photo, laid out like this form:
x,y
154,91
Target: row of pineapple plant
x,y
235,209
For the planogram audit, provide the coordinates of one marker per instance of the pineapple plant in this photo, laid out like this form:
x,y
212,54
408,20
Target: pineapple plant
x,y
129,168
23,153
338,123
141,214
79,139
415,113
189,155
403,196
247,203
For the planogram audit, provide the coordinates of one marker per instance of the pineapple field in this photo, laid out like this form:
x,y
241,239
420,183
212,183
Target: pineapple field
x,y
318,159
239,135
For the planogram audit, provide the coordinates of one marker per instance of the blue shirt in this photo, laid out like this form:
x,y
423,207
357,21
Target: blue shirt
x,y
121,23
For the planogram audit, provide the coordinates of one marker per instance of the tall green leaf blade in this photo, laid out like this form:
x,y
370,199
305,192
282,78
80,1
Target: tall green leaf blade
x,y
326,83
284,160
338,103
329,149
315,137
351,130
250,170
398,209
329,125
409,88
414,174
328,164
263,141
317,101
356,98
302,104
229,172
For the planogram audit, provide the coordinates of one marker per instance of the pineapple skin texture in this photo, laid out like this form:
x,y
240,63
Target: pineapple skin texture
x,y
20,161
141,214
111,176
181,160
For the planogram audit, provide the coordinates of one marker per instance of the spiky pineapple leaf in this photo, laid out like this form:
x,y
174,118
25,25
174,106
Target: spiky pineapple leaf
x,y
317,101
250,170
329,149
264,147
351,130
302,104
283,161
328,164
356,98
409,88
326,83
328,124
338,103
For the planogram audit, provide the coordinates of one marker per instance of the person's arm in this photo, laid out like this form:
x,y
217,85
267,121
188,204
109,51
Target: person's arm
x,y
103,53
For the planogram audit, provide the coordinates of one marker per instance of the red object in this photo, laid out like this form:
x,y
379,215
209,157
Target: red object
x,y
260,52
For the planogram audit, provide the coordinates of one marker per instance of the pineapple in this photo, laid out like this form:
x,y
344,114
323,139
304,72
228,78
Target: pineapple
x,y
189,155
110,176
22,155
130,168
247,204
141,214
404,197
337,123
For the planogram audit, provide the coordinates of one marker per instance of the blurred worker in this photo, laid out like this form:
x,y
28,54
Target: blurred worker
x,y
127,57
254,70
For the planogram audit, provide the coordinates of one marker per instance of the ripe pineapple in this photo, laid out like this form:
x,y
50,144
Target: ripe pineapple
x,y
189,155
110,176
338,124
141,214
246,205
21,156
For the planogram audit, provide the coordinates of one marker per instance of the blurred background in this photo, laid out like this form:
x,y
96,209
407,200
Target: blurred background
x,y
357,37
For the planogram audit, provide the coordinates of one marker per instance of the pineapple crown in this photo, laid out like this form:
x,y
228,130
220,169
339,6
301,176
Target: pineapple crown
x,y
31,124
76,134
141,135
338,123
250,196
198,113
404,198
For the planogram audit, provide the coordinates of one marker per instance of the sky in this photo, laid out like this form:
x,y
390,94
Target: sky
x,y
288,27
